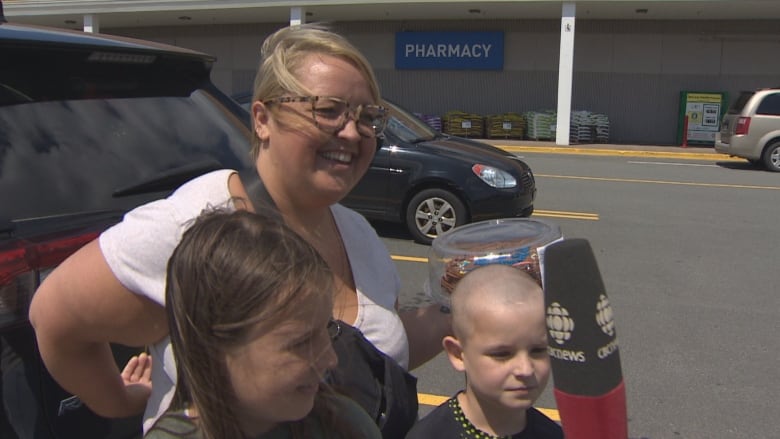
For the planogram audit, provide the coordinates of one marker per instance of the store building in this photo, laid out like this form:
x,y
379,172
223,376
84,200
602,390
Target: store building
x,y
630,60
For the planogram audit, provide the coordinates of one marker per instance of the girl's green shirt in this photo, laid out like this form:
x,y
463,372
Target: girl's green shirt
x,y
177,425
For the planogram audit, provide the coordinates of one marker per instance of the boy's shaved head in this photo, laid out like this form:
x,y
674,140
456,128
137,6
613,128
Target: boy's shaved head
x,y
488,287
500,343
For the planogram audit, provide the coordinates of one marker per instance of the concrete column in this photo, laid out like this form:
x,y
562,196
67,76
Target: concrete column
x,y
91,23
565,73
297,16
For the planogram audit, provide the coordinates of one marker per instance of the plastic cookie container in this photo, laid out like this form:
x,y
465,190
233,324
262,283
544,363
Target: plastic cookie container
x,y
519,242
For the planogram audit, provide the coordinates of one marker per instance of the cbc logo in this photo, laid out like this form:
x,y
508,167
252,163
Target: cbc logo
x,y
604,316
559,323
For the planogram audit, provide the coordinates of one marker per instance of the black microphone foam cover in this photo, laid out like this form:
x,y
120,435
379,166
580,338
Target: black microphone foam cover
x,y
583,342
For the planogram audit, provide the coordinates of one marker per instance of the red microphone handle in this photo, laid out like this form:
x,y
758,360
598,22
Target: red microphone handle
x,y
593,417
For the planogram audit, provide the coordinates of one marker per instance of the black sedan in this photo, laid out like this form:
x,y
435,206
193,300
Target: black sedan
x,y
433,182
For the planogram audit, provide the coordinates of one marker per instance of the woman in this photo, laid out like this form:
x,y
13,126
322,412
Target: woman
x,y
315,120
253,370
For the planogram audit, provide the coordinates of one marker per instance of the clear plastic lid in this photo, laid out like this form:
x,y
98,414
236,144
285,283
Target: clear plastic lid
x,y
518,242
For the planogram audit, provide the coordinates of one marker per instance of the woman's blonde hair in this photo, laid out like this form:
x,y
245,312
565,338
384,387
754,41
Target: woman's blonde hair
x,y
283,53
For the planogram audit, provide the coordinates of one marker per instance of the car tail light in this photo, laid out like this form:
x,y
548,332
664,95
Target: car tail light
x,y
743,125
22,266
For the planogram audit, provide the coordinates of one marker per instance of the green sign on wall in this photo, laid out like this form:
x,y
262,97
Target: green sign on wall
x,y
703,111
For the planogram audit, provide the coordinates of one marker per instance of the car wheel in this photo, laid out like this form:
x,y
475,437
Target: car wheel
x,y
527,212
433,212
771,157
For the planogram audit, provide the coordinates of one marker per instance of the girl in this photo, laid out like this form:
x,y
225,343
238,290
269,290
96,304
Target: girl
x,y
251,332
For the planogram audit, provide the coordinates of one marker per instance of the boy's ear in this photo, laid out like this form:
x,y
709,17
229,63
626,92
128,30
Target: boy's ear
x,y
261,118
454,352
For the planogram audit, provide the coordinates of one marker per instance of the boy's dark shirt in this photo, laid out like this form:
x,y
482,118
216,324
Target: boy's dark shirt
x,y
447,421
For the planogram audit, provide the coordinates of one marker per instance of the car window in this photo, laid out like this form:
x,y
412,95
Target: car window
x,y
770,105
742,100
53,163
406,126
89,138
86,74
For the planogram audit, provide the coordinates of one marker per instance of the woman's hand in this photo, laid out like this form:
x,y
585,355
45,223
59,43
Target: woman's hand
x,y
425,329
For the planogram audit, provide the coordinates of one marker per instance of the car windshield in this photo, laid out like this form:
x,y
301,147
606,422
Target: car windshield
x,y
406,126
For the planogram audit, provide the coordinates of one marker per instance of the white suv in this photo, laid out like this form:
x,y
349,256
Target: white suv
x,y
751,128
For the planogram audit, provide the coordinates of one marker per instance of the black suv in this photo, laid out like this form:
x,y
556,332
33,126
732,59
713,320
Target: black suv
x,y
92,126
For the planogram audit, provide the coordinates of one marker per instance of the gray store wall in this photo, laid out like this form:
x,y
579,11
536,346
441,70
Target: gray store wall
x,y
632,71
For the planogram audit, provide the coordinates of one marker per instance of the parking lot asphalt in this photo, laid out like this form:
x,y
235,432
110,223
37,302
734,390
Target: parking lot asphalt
x,y
628,150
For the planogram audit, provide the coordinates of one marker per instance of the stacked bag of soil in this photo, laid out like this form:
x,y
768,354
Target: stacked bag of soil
x,y
505,126
459,123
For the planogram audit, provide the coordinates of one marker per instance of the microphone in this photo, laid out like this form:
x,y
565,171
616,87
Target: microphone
x,y
583,347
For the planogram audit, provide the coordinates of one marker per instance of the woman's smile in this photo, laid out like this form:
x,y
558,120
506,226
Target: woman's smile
x,y
337,156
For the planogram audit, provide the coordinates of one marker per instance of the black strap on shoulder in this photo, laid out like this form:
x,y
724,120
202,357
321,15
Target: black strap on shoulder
x,y
258,194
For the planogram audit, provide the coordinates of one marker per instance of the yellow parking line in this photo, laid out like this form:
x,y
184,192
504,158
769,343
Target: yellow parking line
x,y
435,400
622,153
428,399
676,183
571,215
550,413
409,259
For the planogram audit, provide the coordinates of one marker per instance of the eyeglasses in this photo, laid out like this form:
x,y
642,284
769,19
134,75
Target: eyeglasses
x,y
334,329
331,114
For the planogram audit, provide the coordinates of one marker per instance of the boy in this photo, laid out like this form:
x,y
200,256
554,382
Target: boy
x,y
500,342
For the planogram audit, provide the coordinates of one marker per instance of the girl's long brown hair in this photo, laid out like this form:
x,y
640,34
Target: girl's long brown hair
x,y
231,271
